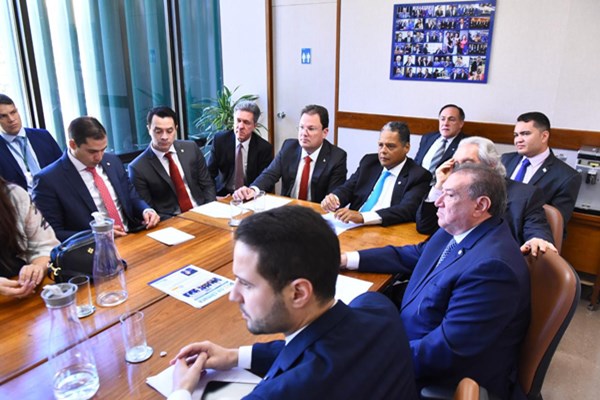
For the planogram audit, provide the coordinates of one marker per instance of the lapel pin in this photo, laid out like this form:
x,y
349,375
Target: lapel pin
x,y
324,160
460,252
182,150
399,183
108,164
544,170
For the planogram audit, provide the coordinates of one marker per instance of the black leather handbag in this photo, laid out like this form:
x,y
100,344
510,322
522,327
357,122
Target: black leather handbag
x,y
74,256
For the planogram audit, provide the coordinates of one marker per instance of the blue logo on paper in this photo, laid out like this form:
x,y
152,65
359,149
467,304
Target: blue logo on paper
x,y
305,56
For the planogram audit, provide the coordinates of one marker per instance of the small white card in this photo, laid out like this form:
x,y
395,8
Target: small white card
x,y
170,236
339,226
214,209
270,203
348,288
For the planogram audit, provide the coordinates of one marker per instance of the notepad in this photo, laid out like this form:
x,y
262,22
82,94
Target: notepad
x,y
170,236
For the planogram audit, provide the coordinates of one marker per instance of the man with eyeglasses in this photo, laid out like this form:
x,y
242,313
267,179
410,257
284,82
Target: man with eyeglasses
x,y
309,167
438,147
23,151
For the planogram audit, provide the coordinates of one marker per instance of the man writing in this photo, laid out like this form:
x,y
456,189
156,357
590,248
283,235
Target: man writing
x,y
387,187
309,167
238,156
285,282
466,306
170,175
86,179
23,151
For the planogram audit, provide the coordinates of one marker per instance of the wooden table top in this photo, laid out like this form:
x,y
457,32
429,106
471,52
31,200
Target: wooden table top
x,y
168,321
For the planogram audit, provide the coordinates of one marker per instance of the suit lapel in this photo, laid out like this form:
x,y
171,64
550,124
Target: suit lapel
x,y
76,182
512,164
251,162
542,170
320,166
184,160
156,164
9,158
401,181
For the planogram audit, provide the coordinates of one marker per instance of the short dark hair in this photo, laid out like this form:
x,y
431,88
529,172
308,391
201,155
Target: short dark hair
x,y
4,99
248,106
293,242
162,112
83,128
486,182
461,112
321,111
540,121
401,129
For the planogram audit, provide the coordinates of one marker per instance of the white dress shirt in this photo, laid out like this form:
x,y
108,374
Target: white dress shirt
x,y
536,163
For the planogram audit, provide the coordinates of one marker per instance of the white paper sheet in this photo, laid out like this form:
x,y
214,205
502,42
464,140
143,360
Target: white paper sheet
x,y
193,285
270,203
170,236
348,288
339,226
163,382
214,209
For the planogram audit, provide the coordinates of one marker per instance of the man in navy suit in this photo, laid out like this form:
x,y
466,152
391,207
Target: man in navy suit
x,y
437,147
387,187
524,211
309,167
256,152
559,182
23,151
170,175
285,283
86,179
467,304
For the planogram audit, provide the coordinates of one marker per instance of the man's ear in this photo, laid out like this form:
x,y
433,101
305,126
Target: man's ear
x,y
301,292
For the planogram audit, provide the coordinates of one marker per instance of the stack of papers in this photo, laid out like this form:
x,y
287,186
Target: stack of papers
x,y
338,225
214,209
170,236
193,285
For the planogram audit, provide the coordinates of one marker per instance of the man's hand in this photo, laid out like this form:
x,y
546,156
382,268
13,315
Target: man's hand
x,y
33,274
442,172
119,230
186,376
244,193
218,357
536,245
151,219
330,202
347,215
12,288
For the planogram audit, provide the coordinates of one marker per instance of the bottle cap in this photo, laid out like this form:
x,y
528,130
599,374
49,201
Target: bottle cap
x,y
101,224
59,295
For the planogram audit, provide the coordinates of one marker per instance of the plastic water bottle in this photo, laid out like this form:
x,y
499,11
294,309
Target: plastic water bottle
x,y
109,270
70,355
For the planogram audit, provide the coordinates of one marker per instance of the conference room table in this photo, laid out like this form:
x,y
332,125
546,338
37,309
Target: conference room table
x,y
170,323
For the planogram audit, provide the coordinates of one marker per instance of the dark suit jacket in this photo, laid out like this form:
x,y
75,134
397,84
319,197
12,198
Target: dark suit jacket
x,y
329,171
356,352
524,213
411,186
559,182
428,140
45,148
155,186
221,161
467,316
66,203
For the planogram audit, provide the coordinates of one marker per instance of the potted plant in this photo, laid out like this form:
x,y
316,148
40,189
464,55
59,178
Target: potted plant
x,y
217,115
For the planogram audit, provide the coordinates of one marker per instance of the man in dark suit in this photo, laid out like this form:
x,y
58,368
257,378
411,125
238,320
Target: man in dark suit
x,y
387,187
255,152
467,304
170,175
23,151
559,182
86,179
437,147
331,350
309,167
524,210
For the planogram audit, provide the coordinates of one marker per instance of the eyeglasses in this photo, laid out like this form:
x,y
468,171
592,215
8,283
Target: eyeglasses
x,y
309,129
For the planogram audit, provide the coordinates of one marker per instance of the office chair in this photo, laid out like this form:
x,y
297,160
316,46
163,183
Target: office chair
x,y
556,223
555,292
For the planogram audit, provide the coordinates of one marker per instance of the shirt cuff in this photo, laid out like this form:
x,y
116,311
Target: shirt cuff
x,y
433,195
147,210
180,394
371,218
245,357
353,260
255,188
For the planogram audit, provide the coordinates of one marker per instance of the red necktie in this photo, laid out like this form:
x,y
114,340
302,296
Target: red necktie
x,y
182,195
239,167
303,192
111,208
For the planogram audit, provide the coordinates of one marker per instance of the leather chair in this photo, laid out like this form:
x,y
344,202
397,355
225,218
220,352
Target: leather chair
x,y
555,292
556,222
468,389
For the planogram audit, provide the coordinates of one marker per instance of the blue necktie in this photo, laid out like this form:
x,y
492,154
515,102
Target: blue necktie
x,y
374,196
521,173
28,158
449,247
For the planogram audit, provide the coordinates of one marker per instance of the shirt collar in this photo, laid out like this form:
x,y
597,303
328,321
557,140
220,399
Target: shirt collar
x,y
539,159
161,154
396,170
459,238
11,138
79,166
292,335
314,155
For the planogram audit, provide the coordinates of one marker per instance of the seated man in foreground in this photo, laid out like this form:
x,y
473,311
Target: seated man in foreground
x,y
387,187
285,282
467,304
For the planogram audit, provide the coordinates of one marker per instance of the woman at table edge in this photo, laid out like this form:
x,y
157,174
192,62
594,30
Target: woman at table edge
x,y
27,240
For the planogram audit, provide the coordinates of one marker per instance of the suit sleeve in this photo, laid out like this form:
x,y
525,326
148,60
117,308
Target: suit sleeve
x,y
535,224
139,182
472,321
263,356
212,162
339,172
427,220
406,210
269,177
567,196
390,259
138,205
204,179
346,191
47,201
